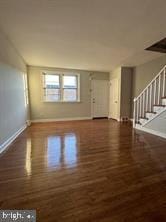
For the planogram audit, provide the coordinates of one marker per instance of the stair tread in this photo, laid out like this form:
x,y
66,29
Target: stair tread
x,y
137,122
143,117
160,105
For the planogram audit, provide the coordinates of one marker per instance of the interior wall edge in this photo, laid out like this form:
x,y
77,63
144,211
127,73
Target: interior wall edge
x,y
5,145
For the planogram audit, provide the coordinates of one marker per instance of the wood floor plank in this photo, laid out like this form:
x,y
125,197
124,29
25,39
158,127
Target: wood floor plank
x,y
95,170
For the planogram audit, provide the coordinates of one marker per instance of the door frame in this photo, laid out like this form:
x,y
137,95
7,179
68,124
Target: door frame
x,y
118,115
108,95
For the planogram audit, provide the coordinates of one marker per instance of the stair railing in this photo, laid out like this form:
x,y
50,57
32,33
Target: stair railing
x,y
151,96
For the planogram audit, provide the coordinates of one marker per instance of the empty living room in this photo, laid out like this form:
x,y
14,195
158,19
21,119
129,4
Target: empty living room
x,y
82,111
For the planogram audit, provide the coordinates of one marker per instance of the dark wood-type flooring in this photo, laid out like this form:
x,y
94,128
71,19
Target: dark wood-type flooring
x,y
95,170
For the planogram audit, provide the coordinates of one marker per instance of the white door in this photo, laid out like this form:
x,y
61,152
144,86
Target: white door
x,y
100,102
114,99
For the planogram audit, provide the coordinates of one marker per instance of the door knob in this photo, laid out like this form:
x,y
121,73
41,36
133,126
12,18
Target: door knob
x,y
116,101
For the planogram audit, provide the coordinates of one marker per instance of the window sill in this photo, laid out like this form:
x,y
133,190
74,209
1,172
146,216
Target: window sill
x,y
61,101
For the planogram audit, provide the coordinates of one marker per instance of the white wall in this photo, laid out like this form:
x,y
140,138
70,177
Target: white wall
x,y
116,74
13,112
126,91
124,76
144,73
41,110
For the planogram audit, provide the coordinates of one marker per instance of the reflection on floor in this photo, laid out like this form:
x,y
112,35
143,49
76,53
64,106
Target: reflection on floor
x,y
62,151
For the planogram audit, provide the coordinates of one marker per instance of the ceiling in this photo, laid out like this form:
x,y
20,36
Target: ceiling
x,y
84,34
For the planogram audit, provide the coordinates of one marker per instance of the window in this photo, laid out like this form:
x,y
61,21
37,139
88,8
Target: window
x,y
51,87
69,88
61,87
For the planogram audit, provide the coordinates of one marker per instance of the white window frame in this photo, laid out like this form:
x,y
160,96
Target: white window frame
x,y
61,74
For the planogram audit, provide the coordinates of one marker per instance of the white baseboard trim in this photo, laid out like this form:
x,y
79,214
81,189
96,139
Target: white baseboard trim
x,y
28,122
114,119
154,132
60,119
5,145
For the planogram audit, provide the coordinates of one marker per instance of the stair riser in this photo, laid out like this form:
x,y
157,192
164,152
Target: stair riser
x,y
157,109
150,115
142,121
163,101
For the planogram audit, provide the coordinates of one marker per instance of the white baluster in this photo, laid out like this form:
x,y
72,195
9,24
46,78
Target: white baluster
x,y
147,99
154,92
134,113
140,106
150,98
137,110
163,94
151,95
159,88
143,105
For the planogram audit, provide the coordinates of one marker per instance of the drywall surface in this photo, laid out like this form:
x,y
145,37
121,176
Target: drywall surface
x,y
116,74
126,92
144,73
13,109
61,110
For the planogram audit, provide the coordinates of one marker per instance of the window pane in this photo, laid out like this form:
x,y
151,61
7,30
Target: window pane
x,y
70,95
52,81
70,82
52,94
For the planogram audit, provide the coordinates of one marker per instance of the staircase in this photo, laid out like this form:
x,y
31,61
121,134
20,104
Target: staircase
x,y
151,102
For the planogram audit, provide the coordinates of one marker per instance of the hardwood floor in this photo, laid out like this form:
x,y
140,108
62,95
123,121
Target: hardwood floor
x,y
95,170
